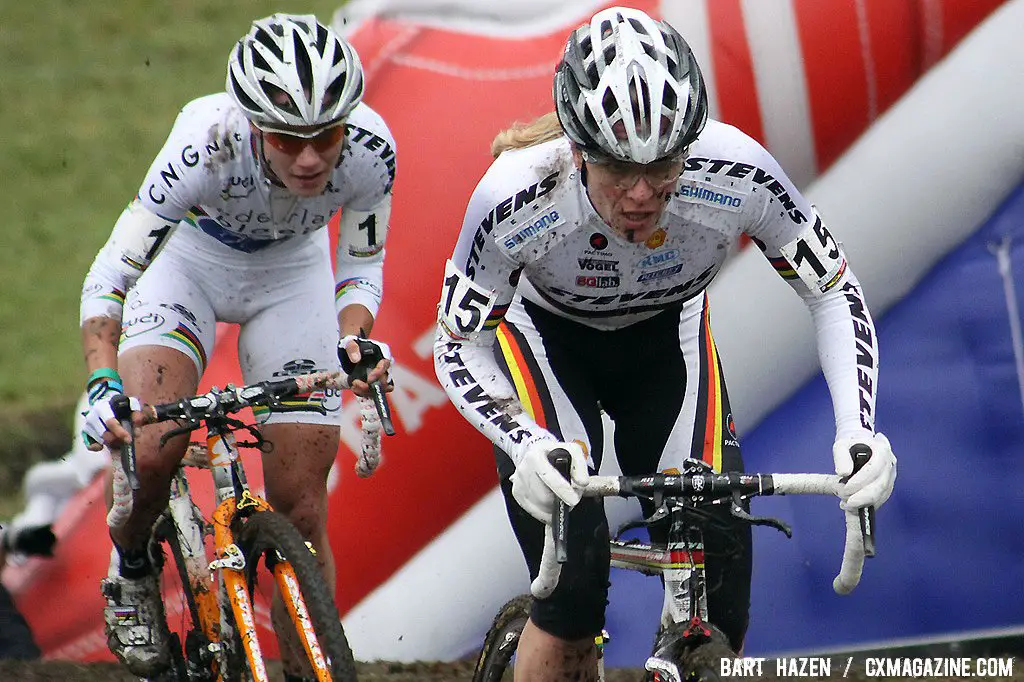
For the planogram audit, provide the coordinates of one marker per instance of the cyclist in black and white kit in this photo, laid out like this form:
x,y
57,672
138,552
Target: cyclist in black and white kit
x,y
578,284
228,226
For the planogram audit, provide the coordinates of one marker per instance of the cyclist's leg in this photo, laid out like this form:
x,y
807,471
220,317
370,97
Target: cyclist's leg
x,y
687,412
542,354
167,330
295,477
294,332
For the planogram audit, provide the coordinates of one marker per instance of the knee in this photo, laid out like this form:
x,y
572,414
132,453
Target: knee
x,y
575,611
304,512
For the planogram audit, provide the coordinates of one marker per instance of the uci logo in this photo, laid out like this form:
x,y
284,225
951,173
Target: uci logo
x,y
141,324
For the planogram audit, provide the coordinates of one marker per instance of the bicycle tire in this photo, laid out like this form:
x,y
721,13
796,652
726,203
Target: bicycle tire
x,y
191,663
266,531
502,639
696,663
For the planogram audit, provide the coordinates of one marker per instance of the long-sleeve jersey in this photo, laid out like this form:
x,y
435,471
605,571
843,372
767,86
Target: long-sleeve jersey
x,y
530,230
207,179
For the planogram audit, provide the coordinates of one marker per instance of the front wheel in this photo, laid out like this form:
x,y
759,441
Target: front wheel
x,y
267,539
501,641
694,660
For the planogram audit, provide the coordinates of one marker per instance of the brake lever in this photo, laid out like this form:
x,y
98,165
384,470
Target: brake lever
x,y
737,511
122,407
559,459
189,427
260,443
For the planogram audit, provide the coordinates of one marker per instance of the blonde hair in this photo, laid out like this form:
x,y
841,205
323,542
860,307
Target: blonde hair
x,y
521,135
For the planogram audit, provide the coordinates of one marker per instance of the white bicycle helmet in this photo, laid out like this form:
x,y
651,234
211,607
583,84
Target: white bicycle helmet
x,y
628,88
291,70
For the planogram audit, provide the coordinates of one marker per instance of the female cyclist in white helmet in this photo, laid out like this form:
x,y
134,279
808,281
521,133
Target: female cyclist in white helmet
x,y
578,285
228,226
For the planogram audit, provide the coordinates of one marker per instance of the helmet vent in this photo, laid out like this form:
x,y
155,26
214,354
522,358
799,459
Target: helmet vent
x,y
321,39
266,41
280,98
259,61
609,53
302,63
668,98
239,92
333,92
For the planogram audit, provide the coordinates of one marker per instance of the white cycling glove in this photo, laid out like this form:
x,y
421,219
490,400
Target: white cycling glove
x,y
346,362
96,418
536,483
872,485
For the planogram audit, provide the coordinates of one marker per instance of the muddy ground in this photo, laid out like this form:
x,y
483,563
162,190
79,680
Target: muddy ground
x,y
61,671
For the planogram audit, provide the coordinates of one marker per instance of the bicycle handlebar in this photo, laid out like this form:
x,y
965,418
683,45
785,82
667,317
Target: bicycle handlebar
x,y
220,402
706,489
215,403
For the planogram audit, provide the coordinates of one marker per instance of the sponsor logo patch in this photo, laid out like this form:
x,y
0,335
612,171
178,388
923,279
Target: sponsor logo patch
x,y
538,225
697,192
597,281
656,239
660,274
658,258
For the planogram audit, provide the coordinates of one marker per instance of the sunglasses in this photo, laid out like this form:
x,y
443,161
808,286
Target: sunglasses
x,y
292,143
624,175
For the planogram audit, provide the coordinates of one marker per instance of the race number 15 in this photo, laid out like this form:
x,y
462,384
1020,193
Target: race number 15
x,y
464,304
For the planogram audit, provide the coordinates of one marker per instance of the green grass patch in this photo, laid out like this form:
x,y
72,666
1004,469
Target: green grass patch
x,y
89,92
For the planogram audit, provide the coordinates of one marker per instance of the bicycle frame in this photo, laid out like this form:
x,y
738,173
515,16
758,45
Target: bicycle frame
x,y
232,496
681,562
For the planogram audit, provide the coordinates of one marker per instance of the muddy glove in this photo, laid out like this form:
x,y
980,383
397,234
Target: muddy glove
x,y
379,349
101,426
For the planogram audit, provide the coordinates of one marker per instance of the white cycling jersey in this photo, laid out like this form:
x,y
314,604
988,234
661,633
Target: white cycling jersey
x,y
207,180
531,231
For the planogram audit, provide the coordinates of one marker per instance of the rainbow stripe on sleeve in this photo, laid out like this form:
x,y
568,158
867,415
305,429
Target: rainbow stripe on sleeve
x,y
496,316
783,267
344,286
115,296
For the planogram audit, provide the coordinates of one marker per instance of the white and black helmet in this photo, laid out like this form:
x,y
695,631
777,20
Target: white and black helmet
x,y
291,70
625,67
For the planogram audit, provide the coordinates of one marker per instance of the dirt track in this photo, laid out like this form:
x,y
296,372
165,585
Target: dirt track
x,y
60,671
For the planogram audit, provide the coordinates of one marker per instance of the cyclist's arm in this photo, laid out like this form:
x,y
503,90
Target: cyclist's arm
x,y
172,185
359,266
134,242
813,263
477,290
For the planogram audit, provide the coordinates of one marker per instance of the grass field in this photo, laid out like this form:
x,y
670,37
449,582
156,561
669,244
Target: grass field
x,y
90,92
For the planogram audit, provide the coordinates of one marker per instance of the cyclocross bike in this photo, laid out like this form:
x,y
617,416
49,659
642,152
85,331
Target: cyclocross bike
x,y
687,647
250,542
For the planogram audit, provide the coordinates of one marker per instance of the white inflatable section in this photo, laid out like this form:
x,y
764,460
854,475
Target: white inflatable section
x,y
777,59
500,19
915,185
440,603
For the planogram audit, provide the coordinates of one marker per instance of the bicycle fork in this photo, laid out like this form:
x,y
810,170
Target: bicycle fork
x,y
685,599
189,526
